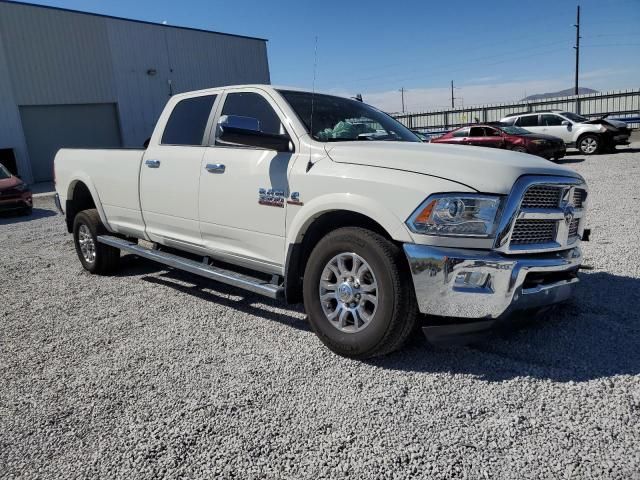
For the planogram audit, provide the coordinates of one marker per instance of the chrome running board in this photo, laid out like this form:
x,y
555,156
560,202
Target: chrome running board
x,y
221,275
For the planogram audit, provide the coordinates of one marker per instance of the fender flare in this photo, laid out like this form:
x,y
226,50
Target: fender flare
x,y
350,202
81,177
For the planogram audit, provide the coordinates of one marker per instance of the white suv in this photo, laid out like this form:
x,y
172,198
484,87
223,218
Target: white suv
x,y
588,136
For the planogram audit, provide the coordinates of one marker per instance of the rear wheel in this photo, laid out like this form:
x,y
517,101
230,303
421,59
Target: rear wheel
x,y
358,294
589,144
95,257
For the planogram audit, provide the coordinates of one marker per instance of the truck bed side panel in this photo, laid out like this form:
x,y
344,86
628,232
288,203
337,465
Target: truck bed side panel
x,y
113,177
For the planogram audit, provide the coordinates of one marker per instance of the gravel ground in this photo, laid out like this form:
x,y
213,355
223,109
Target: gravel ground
x,y
159,374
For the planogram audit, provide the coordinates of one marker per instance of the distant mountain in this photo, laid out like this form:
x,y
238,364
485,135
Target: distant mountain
x,y
562,93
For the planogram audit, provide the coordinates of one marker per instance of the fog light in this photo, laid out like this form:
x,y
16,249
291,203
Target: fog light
x,y
472,279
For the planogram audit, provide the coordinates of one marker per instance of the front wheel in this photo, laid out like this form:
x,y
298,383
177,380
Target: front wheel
x,y
589,144
358,294
519,148
95,257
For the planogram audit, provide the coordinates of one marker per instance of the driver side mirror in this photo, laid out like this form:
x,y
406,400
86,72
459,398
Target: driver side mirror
x,y
245,131
566,123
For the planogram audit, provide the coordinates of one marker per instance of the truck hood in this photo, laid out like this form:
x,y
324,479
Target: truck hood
x,y
486,170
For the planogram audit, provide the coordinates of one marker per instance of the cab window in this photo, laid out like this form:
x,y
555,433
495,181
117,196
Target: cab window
x,y
253,105
188,121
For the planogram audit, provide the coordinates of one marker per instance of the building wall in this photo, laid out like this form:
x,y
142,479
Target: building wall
x,y
57,57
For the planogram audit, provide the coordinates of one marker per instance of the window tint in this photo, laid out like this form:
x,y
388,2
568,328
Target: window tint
x,y
188,121
528,121
463,132
551,120
255,106
477,132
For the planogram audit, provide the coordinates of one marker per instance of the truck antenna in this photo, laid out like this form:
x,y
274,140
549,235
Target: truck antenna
x,y
313,95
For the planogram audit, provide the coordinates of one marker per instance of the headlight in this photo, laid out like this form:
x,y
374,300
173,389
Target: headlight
x,y
539,142
456,214
21,188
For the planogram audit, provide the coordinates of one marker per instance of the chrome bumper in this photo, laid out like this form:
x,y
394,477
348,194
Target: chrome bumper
x,y
488,285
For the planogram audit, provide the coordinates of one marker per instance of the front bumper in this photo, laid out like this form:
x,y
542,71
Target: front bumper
x,y
486,285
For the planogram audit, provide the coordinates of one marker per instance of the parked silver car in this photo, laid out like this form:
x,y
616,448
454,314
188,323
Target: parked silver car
x,y
588,136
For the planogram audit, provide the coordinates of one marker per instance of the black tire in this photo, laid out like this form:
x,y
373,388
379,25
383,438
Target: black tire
x,y
589,144
106,258
395,316
27,211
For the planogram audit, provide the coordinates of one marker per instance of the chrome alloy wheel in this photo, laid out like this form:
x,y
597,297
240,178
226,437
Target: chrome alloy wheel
x,y
87,245
589,145
348,292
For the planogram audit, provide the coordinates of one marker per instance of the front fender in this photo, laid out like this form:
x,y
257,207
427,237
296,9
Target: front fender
x,y
350,202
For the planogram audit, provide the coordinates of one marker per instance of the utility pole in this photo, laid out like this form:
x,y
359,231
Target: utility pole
x,y
402,93
452,97
577,48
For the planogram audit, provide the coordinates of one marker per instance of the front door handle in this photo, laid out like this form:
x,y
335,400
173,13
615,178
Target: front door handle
x,y
215,168
152,163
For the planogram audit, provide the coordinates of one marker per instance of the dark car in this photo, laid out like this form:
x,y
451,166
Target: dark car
x,y
508,137
15,195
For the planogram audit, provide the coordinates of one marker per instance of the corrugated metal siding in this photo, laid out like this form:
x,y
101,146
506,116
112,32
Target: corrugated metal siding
x,y
190,59
141,97
11,135
56,57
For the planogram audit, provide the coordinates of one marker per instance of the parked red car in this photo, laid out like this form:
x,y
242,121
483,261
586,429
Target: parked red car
x,y
15,195
508,137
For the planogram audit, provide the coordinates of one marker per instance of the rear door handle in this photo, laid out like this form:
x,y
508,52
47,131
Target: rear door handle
x,y
215,168
152,163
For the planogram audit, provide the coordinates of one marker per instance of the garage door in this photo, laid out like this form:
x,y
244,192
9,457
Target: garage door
x,y
48,128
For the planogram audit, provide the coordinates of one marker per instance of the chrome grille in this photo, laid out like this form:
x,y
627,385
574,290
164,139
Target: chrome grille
x,y
579,196
542,196
542,214
573,228
531,232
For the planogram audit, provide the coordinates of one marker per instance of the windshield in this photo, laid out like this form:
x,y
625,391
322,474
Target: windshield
x,y
514,130
338,119
574,117
4,173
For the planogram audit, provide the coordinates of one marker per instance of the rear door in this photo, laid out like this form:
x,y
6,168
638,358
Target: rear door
x,y
170,174
552,125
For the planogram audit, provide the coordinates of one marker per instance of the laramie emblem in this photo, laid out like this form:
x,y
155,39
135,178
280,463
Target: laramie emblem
x,y
277,198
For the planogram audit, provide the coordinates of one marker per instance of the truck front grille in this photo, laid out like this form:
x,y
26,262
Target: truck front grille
x,y
544,214
527,232
542,196
579,196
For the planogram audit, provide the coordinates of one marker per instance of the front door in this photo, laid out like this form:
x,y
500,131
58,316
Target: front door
x,y
552,125
244,190
170,175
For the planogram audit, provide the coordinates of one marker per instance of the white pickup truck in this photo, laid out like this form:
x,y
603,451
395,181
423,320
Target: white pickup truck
x,y
327,201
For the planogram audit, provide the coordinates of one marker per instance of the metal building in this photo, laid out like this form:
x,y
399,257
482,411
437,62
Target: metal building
x,y
75,79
